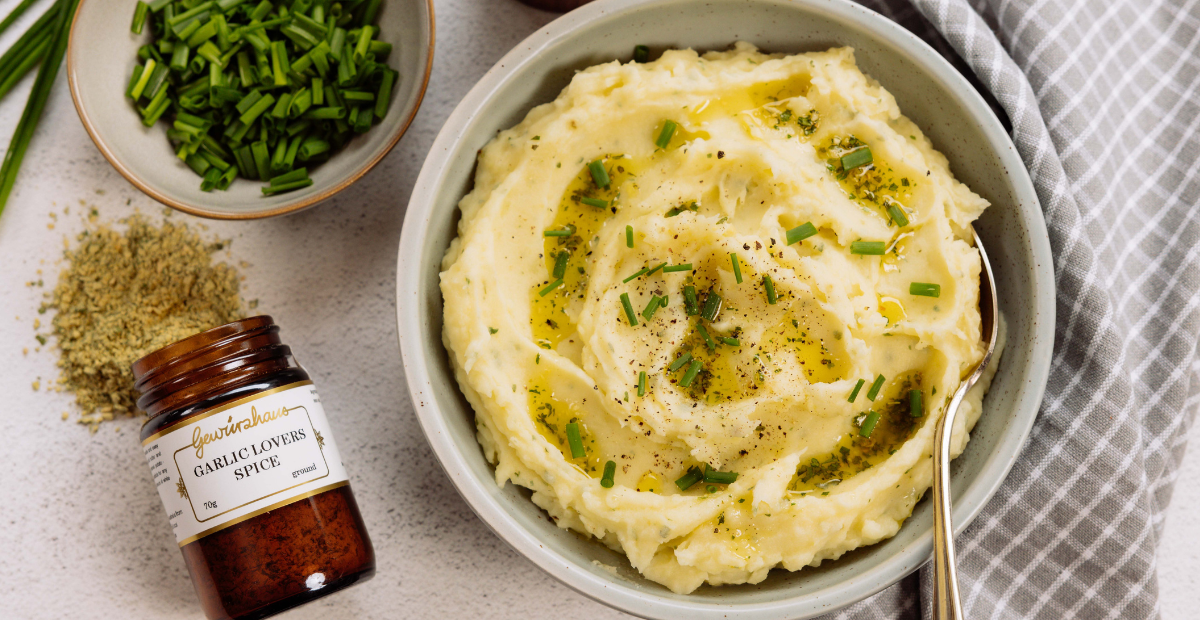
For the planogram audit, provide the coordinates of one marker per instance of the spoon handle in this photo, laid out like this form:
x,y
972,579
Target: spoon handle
x,y
946,605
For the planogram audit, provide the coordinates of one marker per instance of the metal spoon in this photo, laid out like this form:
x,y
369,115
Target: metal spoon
x,y
946,605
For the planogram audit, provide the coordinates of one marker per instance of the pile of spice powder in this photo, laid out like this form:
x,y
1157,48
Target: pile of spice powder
x,y
124,295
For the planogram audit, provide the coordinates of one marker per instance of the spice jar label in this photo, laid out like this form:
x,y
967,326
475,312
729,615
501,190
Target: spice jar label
x,y
237,461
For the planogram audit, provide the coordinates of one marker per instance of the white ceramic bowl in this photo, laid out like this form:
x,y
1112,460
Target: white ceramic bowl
x,y
102,53
928,90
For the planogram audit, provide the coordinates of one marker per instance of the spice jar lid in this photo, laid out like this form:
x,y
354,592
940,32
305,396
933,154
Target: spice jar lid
x,y
181,370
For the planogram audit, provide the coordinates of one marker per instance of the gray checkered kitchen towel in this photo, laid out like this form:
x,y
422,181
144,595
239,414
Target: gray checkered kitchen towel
x,y
1102,96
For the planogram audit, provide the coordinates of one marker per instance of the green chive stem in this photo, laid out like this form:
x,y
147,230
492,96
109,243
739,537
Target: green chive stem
x,y
737,269
664,136
691,373
641,383
873,393
610,470
680,361
769,284
675,268
925,289
854,394
550,287
868,248
628,306
693,475
599,174
800,233
575,441
628,236
868,424
916,403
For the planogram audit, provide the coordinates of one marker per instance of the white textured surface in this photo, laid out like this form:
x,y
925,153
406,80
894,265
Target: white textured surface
x,y
81,527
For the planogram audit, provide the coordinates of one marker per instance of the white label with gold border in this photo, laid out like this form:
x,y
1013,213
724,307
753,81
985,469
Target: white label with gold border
x,y
241,459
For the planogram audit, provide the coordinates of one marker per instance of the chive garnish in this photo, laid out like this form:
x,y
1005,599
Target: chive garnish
x,y
707,339
691,373
854,393
599,174
610,470
594,202
857,157
641,383
575,441
560,264
713,476
737,269
327,73
641,53
897,214
769,284
916,403
550,287
712,306
875,387
560,232
693,475
925,289
733,342
628,306
868,424
634,276
801,232
651,307
680,361
674,268
868,248
655,269
664,136
629,236
690,304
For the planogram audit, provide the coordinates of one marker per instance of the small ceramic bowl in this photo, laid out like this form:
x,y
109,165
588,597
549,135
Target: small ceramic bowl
x,y
101,56
929,91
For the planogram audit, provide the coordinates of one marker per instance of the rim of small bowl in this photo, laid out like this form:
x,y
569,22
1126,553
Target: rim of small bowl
x,y
410,300
200,211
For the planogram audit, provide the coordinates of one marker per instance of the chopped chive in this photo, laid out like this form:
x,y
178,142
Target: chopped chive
x,y
686,481
575,441
801,232
599,174
664,136
733,342
550,287
691,373
868,424
629,236
874,391
610,469
713,476
560,264
641,53
655,269
769,284
625,303
680,361
690,304
897,214
856,158
925,289
286,187
707,338
139,16
675,268
712,306
737,269
636,275
916,404
594,202
559,232
651,307
641,383
854,393
868,248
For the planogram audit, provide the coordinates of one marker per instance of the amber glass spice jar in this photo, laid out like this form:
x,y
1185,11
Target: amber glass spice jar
x,y
247,468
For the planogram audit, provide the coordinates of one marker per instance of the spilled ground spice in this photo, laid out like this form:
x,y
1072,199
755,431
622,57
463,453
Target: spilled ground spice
x,y
123,294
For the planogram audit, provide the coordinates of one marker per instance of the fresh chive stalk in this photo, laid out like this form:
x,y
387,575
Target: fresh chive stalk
x,y
916,403
868,248
708,340
690,304
873,393
925,289
651,307
610,470
897,214
628,306
868,424
664,136
800,233
594,202
628,236
856,158
690,375
566,231
575,441
635,275
560,264
712,476
679,362
854,393
676,268
641,53
599,174
641,391
769,284
656,268
550,287
712,306
689,479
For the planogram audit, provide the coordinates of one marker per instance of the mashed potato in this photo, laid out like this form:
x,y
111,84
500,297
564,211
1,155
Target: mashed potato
x,y
693,305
